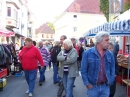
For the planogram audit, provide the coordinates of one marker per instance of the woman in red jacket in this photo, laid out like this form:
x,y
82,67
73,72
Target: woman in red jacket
x,y
29,57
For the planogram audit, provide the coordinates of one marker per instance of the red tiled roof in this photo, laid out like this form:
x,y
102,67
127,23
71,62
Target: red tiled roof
x,y
44,29
85,6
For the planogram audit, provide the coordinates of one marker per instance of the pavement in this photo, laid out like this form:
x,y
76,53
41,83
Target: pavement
x,y
17,86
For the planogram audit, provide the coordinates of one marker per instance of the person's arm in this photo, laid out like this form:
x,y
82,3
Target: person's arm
x,y
116,66
84,69
112,69
61,57
39,57
48,56
71,59
117,47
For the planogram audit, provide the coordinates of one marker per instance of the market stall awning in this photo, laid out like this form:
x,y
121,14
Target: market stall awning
x,y
5,32
115,28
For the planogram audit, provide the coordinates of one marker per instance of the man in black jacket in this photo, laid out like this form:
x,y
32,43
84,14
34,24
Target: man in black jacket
x,y
55,51
61,87
116,48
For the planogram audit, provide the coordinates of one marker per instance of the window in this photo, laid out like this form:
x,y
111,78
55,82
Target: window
x,y
22,14
28,13
47,36
36,35
75,16
51,35
15,15
42,35
9,11
0,6
75,29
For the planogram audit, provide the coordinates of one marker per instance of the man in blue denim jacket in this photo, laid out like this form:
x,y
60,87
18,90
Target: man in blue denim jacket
x,y
98,67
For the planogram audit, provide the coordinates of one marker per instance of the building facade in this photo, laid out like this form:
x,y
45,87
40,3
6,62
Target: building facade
x,y
78,18
45,33
2,19
14,17
75,24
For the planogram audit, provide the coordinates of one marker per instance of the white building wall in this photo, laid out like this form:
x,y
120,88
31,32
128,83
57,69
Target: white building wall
x,y
24,21
33,26
124,16
84,22
3,13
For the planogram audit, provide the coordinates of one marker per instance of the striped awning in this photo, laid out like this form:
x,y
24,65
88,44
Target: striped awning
x,y
114,28
5,32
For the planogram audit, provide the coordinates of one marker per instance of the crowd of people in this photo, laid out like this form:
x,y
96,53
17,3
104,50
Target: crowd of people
x,y
98,65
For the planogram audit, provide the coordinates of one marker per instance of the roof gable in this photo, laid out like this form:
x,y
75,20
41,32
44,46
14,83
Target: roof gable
x,y
85,6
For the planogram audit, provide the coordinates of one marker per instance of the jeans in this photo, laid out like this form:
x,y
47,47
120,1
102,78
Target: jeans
x,y
56,78
42,74
99,91
68,85
50,64
30,76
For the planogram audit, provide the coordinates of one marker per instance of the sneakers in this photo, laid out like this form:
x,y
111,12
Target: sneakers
x,y
30,94
27,91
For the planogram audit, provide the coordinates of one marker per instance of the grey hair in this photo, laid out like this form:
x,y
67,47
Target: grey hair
x,y
99,37
41,41
111,44
69,43
56,43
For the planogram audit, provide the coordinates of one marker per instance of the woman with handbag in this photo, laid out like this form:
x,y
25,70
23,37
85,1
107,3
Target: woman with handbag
x,y
29,56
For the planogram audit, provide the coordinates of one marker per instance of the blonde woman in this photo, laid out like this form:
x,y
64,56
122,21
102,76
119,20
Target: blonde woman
x,y
68,66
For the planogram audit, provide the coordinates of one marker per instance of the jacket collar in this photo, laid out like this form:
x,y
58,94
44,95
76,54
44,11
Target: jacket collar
x,y
94,50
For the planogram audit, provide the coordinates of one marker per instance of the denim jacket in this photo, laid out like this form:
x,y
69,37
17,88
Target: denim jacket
x,y
90,66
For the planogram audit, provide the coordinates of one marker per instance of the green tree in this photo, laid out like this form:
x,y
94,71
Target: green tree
x,y
104,8
126,5
51,26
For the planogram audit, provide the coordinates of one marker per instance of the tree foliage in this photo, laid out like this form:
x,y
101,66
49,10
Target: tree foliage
x,y
104,8
126,5
51,26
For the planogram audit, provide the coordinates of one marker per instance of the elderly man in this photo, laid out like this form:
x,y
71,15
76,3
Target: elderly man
x,y
98,67
46,57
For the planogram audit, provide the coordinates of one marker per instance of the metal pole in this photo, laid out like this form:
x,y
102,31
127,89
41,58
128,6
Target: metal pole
x,y
129,62
128,71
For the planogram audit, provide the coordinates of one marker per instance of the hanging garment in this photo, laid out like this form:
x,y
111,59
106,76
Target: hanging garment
x,y
2,55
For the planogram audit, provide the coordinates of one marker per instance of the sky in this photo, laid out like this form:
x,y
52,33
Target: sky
x,y
47,10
